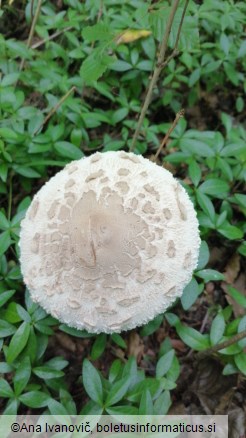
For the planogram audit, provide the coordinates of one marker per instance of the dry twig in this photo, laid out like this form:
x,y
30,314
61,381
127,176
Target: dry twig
x,y
160,64
31,33
50,37
222,345
170,130
55,108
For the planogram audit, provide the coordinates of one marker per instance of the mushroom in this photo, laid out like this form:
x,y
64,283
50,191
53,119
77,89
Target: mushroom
x,y
109,242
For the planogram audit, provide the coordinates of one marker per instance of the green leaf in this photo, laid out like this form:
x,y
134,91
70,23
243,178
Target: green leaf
x,y
190,294
11,408
172,319
194,77
174,371
92,382
152,326
221,219
195,147
189,37
95,65
42,328
135,393
217,329
168,384
240,361
241,328
115,370
57,408
230,231
18,49
66,149
232,349
10,79
237,296
27,171
240,199
117,391
5,389
233,149
242,49
214,187
162,404
192,337
242,249
75,332
67,401
44,372
99,346
120,66
35,123
119,115
5,368
99,31
225,168
6,329
203,255
23,314
5,242
122,410
225,43
229,369
4,223
35,399
211,66
57,363
164,363
8,134
18,342
210,275
146,405
22,376
205,203
5,296
195,172
3,171
117,339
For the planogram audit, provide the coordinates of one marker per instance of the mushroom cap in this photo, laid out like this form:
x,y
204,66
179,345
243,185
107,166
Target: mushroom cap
x,y
109,242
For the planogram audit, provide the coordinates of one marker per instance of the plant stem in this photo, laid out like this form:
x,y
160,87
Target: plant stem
x,y
170,130
31,33
159,65
180,25
54,109
156,73
10,196
51,37
222,345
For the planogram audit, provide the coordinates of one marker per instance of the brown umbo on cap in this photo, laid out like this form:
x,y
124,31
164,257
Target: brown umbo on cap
x,y
109,242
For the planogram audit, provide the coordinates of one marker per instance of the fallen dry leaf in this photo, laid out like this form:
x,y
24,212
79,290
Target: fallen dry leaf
x,y
232,268
178,345
131,35
66,342
240,285
135,346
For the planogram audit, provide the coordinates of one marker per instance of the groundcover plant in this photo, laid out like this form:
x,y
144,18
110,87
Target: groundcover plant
x,y
102,76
